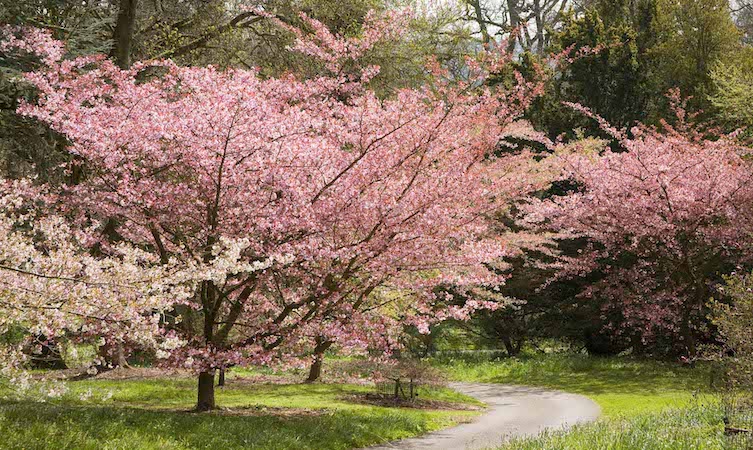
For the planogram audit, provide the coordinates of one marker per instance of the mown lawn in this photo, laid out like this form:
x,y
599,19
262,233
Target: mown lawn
x,y
155,414
621,386
646,404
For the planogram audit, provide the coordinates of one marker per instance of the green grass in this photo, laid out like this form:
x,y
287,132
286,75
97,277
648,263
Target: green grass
x,y
646,404
621,386
155,414
692,428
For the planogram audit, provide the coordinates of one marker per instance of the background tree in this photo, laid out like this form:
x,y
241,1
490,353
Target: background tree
x,y
742,11
645,48
692,37
732,92
615,77
524,24
665,216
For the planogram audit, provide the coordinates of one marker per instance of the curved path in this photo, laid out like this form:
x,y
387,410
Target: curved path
x,y
514,411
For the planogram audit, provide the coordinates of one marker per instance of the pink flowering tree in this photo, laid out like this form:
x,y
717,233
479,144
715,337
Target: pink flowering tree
x,y
664,216
298,209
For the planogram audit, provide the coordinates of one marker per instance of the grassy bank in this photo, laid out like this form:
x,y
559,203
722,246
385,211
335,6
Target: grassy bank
x,y
155,414
646,404
693,427
621,386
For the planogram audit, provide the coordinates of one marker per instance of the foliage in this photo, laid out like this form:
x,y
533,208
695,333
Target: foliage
x,y
692,36
732,92
646,48
734,321
27,148
616,80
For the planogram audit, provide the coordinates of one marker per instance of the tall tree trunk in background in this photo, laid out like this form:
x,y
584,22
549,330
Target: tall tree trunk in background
x,y
479,13
123,33
221,379
540,24
205,400
315,372
514,14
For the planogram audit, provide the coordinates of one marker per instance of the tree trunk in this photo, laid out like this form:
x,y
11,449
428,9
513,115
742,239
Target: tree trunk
x,y
514,17
205,401
221,379
511,347
538,13
123,33
120,358
111,356
316,369
50,356
481,20
315,372
689,341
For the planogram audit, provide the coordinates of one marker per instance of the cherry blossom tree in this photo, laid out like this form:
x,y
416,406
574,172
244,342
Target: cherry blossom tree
x,y
665,216
298,209
51,285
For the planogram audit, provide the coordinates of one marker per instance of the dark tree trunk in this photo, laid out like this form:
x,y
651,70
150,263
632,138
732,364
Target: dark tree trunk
x,y
513,11
111,356
221,379
123,33
207,293
205,401
512,347
481,20
315,372
639,348
689,342
50,357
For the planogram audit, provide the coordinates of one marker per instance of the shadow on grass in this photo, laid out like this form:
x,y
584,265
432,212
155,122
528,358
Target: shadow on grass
x,y
42,426
177,392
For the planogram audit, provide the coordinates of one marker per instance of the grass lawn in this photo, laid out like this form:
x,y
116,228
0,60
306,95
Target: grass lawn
x,y
155,414
621,386
645,404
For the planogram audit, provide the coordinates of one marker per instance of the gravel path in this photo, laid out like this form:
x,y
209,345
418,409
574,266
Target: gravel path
x,y
514,411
